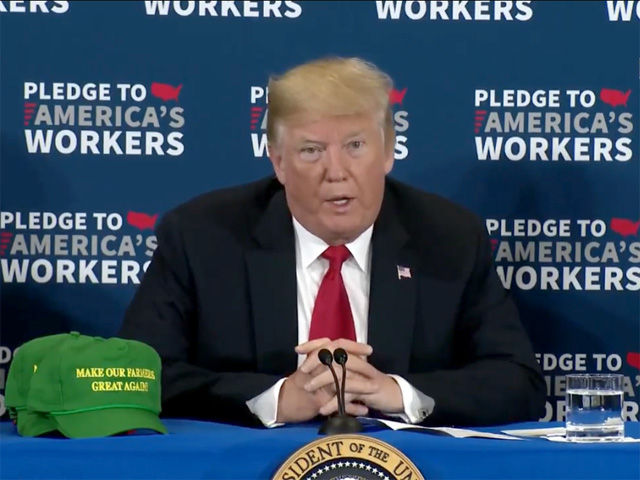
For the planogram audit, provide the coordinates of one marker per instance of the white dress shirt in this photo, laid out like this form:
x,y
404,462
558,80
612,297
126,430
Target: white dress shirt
x,y
310,270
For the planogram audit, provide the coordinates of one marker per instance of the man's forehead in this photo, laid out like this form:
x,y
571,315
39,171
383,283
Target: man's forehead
x,y
310,136
331,128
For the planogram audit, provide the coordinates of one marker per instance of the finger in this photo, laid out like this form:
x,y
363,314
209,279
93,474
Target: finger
x,y
330,407
313,359
310,346
312,362
361,386
325,378
362,367
356,409
321,369
319,381
353,348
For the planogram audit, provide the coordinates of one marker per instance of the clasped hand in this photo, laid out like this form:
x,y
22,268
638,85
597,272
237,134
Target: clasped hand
x,y
310,390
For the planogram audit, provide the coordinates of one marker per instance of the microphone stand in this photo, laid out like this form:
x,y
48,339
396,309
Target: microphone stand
x,y
341,423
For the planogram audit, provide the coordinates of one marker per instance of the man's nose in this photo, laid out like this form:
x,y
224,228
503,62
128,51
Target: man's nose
x,y
336,163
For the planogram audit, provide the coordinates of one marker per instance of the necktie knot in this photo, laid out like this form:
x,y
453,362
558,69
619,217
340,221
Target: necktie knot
x,y
336,255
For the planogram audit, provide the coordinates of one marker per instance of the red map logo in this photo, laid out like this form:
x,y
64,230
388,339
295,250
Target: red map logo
x,y
165,92
614,97
625,227
142,221
397,96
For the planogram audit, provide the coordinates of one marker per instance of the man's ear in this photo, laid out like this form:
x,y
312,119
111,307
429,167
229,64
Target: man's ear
x,y
276,158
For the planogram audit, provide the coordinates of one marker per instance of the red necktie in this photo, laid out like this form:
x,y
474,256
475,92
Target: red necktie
x,y
332,316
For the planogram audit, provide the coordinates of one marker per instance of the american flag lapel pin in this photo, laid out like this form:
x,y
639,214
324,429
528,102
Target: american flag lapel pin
x,y
403,272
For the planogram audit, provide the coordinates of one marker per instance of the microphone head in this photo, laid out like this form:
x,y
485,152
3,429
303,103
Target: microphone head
x,y
325,357
340,356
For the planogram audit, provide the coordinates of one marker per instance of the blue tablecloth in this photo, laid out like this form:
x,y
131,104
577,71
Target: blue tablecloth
x,y
196,450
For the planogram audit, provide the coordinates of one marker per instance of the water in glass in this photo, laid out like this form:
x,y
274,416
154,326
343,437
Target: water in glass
x,y
594,407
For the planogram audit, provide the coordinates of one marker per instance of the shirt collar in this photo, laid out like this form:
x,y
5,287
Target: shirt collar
x,y
311,247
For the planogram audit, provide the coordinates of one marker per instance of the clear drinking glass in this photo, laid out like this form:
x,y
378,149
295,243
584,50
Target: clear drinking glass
x,y
594,407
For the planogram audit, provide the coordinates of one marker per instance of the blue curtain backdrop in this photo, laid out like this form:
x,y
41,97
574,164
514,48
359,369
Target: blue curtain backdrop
x,y
525,112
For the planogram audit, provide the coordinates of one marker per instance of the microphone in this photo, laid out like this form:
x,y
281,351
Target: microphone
x,y
327,359
341,423
340,356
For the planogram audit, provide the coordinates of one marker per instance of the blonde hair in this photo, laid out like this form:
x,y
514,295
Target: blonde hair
x,y
328,87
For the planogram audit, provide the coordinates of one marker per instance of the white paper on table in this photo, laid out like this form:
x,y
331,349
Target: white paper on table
x,y
537,432
564,440
558,434
451,431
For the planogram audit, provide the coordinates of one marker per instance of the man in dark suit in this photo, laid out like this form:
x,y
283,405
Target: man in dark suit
x,y
248,283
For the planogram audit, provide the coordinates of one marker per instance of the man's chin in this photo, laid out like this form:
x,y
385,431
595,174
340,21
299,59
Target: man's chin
x,y
339,233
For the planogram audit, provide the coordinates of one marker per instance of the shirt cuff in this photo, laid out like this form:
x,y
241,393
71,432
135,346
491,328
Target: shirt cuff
x,y
417,405
265,405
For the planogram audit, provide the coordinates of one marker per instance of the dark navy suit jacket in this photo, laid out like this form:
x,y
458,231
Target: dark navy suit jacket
x,y
218,303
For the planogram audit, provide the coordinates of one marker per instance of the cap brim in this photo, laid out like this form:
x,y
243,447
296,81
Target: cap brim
x,y
107,422
33,424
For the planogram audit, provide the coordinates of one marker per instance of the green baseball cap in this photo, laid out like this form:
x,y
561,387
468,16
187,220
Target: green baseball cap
x,y
25,362
97,387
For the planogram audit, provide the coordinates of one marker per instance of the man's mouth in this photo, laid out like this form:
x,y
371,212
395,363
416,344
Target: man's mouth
x,y
340,201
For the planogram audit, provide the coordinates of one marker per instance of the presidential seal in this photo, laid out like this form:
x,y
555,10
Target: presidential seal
x,y
348,457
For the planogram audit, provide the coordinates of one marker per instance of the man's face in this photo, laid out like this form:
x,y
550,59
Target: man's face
x,y
333,171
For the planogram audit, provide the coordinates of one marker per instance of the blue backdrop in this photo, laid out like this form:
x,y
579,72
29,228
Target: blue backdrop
x,y
525,112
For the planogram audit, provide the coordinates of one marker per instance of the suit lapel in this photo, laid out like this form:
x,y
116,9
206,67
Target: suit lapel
x,y
273,290
392,298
